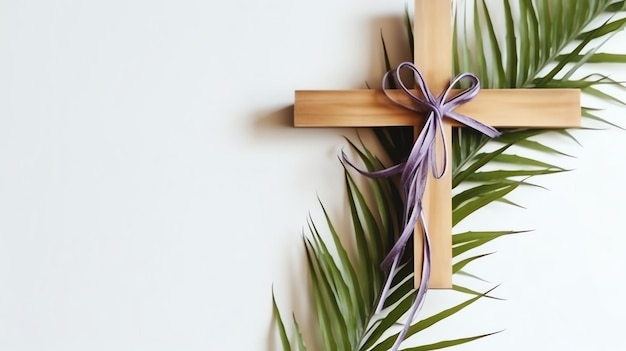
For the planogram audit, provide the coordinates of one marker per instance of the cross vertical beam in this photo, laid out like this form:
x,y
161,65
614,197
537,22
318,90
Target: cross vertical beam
x,y
433,56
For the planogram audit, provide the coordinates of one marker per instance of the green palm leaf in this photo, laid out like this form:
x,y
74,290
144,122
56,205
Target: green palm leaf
x,y
447,343
284,338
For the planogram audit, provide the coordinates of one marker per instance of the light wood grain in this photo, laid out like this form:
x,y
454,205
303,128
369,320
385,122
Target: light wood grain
x,y
432,33
437,203
505,108
433,55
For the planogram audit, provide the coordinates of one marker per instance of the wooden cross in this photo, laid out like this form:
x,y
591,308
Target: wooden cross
x,y
528,108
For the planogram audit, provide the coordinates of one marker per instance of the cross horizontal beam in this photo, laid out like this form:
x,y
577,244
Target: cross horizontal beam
x,y
505,108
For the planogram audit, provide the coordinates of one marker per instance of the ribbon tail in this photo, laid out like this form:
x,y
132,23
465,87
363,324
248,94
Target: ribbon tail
x,y
398,247
385,292
474,124
420,297
383,173
419,152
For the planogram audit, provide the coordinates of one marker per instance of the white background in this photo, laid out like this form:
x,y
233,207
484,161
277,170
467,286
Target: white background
x,y
152,189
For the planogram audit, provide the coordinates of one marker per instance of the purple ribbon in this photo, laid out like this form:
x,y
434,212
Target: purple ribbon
x,y
414,171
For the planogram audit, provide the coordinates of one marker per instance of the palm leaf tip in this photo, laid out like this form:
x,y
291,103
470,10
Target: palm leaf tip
x,y
282,331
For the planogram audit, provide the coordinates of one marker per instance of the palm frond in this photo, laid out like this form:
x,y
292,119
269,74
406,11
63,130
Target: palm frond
x,y
543,44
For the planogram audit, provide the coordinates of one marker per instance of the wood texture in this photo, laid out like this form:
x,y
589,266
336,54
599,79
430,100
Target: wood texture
x,y
437,204
505,108
433,55
432,33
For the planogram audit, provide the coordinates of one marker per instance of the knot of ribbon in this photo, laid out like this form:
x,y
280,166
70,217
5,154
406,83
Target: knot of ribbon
x,y
422,158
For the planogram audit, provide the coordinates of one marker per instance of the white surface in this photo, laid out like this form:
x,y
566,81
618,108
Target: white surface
x,y
152,189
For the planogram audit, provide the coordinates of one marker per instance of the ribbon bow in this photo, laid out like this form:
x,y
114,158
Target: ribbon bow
x,y
414,171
